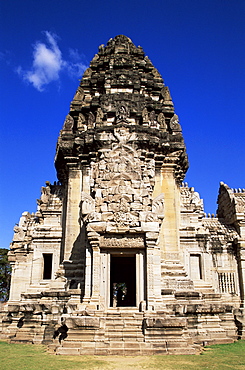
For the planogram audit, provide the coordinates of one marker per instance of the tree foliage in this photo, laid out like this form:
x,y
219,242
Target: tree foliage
x,y
5,274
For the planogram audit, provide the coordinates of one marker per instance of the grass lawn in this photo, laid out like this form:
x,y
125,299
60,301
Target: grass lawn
x,y
32,357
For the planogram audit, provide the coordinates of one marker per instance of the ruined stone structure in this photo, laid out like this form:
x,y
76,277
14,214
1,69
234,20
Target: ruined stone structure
x,y
119,257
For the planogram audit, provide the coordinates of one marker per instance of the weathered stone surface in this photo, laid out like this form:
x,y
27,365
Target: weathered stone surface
x,y
119,257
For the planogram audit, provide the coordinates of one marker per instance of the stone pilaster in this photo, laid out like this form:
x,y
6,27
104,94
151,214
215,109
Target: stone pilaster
x,y
169,235
241,269
96,277
72,229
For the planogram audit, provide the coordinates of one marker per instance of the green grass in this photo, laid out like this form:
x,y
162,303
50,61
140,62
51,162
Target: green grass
x,y
30,357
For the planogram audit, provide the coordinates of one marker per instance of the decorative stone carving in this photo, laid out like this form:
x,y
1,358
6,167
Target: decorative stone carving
x,y
120,241
19,234
174,123
88,72
45,197
158,206
122,134
113,164
87,204
81,122
122,113
99,116
240,202
166,94
125,219
162,122
152,117
195,198
79,94
69,122
190,199
91,120
145,116
60,274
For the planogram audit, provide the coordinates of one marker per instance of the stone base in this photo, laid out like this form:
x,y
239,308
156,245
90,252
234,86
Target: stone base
x,y
186,322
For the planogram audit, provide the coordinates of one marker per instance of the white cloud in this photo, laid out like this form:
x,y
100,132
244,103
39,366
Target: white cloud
x,y
76,66
48,63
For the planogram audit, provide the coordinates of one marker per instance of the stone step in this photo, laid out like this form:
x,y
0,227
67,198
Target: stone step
x,y
122,348
125,329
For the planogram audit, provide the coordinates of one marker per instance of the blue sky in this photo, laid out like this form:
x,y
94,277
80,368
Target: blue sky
x,y
197,46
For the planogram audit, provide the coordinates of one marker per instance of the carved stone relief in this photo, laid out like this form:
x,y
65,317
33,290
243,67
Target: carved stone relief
x,y
162,122
91,120
119,241
68,124
79,94
81,122
122,187
174,123
99,116
145,116
122,113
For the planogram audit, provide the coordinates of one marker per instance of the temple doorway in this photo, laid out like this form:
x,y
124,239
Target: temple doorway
x,y
123,281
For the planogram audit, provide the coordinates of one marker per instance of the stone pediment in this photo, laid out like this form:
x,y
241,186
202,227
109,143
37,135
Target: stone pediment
x,y
122,186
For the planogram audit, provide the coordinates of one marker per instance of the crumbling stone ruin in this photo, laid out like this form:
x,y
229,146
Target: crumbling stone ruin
x,y
120,257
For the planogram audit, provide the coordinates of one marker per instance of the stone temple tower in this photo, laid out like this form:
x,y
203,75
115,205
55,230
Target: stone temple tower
x,y
120,255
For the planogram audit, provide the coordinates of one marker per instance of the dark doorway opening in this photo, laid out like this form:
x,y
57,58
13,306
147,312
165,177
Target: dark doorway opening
x,y
47,265
123,281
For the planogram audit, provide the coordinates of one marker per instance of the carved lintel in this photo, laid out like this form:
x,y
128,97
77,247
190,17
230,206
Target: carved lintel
x,y
122,242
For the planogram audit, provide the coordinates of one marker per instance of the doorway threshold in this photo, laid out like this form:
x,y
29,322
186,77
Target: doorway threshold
x,y
122,309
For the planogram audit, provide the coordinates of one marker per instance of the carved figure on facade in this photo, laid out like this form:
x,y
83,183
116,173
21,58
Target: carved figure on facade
x,y
121,163
195,198
88,72
68,124
123,219
122,113
122,134
152,118
45,197
91,120
101,48
190,199
166,94
156,74
145,116
81,122
162,122
150,168
240,203
79,94
99,116
174,123
19,234
60,274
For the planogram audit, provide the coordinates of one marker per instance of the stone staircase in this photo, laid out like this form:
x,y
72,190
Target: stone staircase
x,y
203,287
124,332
